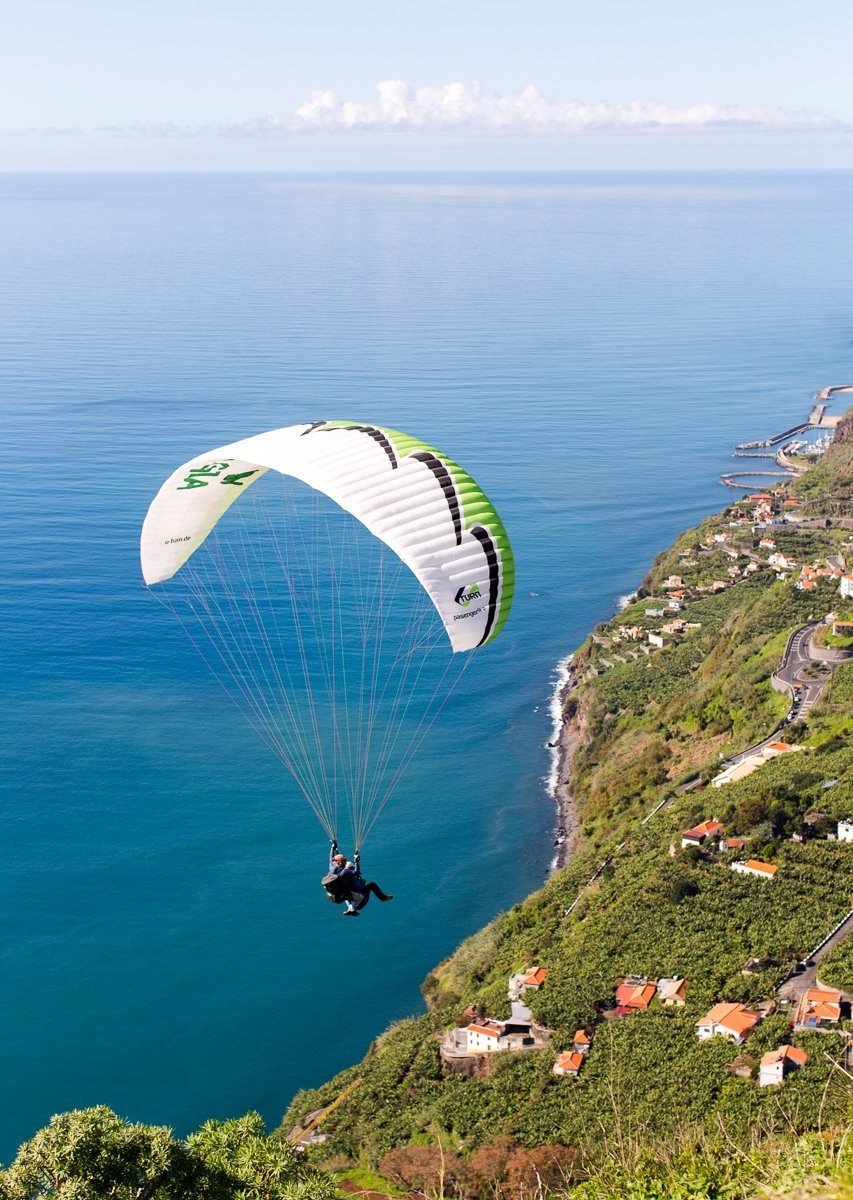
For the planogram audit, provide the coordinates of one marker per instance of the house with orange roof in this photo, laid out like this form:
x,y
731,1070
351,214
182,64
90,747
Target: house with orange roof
x,y
582,1042
634,997
732,843
672,992
752,866
734,1021
820,1007
485,1036
529,979
776,1064
696,836
568,1063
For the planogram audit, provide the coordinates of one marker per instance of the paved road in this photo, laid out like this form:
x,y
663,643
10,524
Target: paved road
x,y
799,671
796,987
805,676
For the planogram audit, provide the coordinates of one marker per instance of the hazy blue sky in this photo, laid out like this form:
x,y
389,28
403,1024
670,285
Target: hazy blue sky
x,y
222,84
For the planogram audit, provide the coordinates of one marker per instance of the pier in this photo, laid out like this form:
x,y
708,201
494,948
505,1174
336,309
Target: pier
x,y
776,438
818,419
826,394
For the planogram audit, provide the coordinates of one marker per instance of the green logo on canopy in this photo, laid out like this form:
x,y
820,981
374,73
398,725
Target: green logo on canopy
x,y
470,591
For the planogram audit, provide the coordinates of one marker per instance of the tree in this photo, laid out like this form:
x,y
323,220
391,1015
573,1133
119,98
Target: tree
x,y
533,1173
257,1165
427,1168
91,1153
487,1166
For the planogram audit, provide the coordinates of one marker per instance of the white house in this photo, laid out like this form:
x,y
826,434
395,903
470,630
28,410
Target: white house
x,y
752,866
485,1036
733,1021
659,639
775,1064
696,836
845,585
845,831
568,1063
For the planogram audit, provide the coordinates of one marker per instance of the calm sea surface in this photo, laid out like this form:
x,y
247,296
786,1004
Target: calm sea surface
x,y
589,347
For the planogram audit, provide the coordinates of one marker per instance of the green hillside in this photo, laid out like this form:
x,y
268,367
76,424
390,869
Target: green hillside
x,y
645,723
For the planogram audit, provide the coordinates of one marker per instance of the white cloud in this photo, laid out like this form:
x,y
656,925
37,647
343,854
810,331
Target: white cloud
x,y
47,131
465,109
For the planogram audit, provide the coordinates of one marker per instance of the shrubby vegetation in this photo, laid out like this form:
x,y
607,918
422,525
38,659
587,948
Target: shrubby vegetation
x,y
92,1154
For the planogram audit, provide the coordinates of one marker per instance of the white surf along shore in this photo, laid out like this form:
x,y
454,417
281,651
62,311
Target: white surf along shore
x,y
561,746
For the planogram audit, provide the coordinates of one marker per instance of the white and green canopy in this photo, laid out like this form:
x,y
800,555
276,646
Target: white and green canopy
x,y
428,510
309,618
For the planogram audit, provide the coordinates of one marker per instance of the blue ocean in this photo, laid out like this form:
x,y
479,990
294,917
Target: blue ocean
x,y
589,347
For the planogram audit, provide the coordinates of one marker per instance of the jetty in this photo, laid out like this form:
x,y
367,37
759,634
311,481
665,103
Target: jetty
x,y
730,479
817,419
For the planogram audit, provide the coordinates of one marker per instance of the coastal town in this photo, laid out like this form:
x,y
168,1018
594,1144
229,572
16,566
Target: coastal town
x,y
761,533
467,1049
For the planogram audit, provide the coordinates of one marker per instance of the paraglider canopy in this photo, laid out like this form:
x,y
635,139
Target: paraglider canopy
x,y
332,673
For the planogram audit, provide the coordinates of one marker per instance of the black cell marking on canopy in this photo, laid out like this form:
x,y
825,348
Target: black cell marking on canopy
x,y
492,561
314,425
443,476
370,430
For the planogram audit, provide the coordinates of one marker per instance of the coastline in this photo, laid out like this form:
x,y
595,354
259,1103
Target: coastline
x,y
562,744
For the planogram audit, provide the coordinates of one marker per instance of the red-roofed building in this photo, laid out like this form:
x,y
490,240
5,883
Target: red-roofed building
x,y
734,1021
534,977
582,1042
634,997
697,835
752,866
732,843
568,1063
820,1006
775,1064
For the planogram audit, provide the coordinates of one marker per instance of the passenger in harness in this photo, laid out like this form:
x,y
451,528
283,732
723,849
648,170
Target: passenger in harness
x,y
345,884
